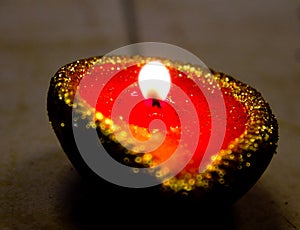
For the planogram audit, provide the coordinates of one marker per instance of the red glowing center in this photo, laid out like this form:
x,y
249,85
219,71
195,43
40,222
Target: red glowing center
x,y
148,110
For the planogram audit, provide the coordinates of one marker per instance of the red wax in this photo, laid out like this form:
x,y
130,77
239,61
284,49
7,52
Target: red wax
x,y
147,110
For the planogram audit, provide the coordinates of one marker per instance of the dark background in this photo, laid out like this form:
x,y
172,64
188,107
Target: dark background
x,y
255,41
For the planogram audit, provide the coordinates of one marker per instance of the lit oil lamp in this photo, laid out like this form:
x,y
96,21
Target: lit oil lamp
x,y
159,126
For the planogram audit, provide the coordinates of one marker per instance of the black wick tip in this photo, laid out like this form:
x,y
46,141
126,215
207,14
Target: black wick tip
x,y
155,102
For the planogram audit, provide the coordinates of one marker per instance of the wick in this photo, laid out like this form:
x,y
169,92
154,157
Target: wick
x,y
155,102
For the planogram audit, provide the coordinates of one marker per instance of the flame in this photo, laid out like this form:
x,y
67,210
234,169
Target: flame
x,y
154,80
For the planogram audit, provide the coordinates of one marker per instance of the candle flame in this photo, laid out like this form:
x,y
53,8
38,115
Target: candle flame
x,y
154,80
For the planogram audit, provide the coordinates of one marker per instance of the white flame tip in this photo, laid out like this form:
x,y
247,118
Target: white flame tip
x,y
154,80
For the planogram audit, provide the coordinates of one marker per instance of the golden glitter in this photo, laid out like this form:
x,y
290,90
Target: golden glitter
x,y
138,160
99,116
147,157
135,170
108,121
228,169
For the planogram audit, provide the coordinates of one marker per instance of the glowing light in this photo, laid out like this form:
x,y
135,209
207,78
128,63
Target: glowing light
x,y
154,80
